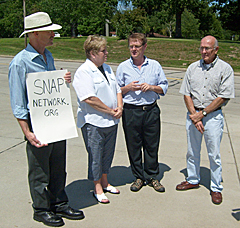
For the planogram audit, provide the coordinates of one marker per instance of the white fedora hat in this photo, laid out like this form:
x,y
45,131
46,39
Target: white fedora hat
x,y
39,21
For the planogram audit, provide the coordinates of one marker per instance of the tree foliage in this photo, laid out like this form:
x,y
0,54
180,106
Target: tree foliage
x,y
130,21
190,25
90,15
167,17
230,15
11,15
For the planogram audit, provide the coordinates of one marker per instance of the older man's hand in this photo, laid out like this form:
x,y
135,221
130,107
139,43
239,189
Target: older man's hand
x,y
68,77
196,117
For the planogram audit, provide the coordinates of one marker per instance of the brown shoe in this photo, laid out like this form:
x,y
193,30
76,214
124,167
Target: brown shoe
x,y
216,197
186,185
156,185
136,185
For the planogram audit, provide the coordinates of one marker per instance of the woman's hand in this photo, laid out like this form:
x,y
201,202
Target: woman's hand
x,y
118,112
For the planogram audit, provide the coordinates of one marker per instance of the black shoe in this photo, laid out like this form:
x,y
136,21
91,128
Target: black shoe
x,y
136,185
48,218
70,213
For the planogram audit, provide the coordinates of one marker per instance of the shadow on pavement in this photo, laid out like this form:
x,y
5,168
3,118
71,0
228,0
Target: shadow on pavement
x,y
204,174
236,213
80,191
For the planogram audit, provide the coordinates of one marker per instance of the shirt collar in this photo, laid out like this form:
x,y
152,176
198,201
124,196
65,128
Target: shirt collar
x,y
92,65
144,63
212,64
33,53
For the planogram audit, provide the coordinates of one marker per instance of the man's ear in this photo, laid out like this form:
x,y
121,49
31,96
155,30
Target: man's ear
x,y
32,34
35,33
145,46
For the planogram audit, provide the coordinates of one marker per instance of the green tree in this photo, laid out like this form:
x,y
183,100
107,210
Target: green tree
x,y
130,21
230,16
11,14
177,7
190,25
159,13
154,16
89,15
162,22
216,29
94,16
80,16
150,6
172,6
205,16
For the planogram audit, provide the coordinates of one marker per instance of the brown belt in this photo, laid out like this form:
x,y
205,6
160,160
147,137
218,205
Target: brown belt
x,y
142,107
200,109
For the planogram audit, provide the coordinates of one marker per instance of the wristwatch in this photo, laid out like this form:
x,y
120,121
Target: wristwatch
x,y
204,112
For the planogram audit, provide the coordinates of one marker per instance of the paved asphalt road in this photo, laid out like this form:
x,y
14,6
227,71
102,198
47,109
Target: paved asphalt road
x,y
145,208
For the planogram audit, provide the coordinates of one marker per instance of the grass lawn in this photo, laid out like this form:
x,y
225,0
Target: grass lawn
x,y
169,52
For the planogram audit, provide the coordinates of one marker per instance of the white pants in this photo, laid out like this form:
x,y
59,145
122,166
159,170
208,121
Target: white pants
x,y
213,124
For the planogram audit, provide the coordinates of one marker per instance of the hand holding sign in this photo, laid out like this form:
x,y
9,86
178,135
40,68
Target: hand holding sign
x,y
50,106
68,77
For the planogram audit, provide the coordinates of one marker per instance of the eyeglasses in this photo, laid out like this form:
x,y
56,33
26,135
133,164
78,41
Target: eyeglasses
x,y
136,46
206,48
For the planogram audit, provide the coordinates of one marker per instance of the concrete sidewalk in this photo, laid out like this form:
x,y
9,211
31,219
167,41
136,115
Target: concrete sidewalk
x,y
146,208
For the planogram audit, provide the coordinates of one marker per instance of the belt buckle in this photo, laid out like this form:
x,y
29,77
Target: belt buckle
x,y
144,108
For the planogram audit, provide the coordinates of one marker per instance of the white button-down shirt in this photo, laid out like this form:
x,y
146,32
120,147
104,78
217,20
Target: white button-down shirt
x,y
90,82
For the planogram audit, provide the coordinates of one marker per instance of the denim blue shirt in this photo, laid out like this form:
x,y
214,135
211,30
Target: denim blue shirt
x,y
151,73
26,61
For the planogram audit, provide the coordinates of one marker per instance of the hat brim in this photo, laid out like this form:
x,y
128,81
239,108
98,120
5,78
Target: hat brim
x,y
47,28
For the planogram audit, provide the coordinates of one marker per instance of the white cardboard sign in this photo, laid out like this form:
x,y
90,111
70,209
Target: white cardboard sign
x,y
50,106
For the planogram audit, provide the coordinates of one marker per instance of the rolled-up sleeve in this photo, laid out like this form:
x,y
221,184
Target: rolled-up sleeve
x,y
120,76
185,87
18,94
163,82
226,89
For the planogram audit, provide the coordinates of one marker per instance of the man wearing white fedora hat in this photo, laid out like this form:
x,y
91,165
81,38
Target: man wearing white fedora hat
x,y
47,162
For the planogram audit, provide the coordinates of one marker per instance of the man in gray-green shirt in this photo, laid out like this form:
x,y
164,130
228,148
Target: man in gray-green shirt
x,y
207,86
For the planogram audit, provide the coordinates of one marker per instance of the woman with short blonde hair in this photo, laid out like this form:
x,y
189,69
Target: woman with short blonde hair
x,y
99,111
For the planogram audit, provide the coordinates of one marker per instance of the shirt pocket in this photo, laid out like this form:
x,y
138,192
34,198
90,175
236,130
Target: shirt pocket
x,y
113,79
215,84
98,83
97,80
196,83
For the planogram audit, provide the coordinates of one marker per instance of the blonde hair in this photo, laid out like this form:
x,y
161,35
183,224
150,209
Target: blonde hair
x,y
93,44
138,36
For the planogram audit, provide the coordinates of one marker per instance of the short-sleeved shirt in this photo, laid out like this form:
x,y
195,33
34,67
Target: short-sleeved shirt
x,y
26,61
90,82
151,73
205,82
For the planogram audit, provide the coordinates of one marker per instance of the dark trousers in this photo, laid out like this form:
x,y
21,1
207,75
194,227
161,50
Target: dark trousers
x,y
142,131
47,175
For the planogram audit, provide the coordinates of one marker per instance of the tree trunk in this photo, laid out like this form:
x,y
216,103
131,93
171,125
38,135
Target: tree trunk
x,y
178,23
73,30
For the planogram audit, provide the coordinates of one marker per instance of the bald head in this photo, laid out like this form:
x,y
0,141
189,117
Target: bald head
x,y
209,48
210,39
